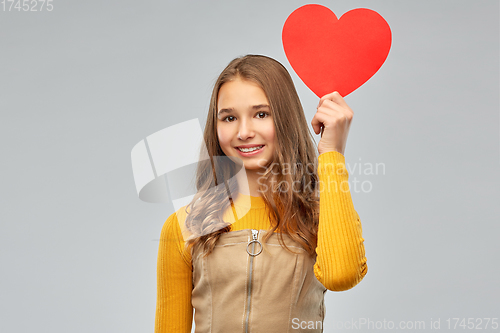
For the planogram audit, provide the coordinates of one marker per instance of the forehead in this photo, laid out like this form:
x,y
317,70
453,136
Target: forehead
x,y
240,93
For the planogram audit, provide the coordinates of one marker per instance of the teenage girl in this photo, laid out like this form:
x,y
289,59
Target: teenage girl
x,y
257,253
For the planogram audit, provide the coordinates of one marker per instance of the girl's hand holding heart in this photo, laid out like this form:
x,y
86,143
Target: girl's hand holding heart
x,y
335,116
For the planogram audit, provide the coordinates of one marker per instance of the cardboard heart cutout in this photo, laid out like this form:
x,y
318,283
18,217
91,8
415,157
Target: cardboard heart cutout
x,y
331,54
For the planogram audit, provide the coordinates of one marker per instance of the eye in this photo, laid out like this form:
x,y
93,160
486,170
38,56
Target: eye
x,y
226,119
264,113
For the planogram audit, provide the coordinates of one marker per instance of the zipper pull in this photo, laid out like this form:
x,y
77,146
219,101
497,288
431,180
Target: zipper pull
x,y
255,236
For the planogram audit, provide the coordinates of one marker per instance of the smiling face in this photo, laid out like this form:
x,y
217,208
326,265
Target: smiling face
x,y
244,120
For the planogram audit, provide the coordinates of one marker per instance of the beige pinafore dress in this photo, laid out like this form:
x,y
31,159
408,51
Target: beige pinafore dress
x,y
245,287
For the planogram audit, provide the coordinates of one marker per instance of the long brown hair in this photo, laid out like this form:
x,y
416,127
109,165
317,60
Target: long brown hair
x,y
293,209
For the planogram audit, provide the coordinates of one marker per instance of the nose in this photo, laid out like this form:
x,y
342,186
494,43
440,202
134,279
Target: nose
x,y
245,130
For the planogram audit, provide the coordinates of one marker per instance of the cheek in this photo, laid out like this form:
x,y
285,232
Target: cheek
x,y
271,134
223,138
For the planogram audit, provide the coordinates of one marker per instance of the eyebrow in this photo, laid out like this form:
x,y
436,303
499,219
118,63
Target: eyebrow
x,y
255,107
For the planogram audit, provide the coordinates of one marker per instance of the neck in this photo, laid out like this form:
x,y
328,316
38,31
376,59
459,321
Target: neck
x,y
249,185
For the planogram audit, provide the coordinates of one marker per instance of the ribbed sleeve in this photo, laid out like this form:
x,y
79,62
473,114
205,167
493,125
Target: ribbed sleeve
x,y
341,262
174,312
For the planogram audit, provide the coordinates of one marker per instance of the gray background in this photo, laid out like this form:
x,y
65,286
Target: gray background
x,y
81,85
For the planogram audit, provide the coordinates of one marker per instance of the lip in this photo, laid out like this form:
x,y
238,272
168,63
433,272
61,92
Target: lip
x,y
248,146
252,153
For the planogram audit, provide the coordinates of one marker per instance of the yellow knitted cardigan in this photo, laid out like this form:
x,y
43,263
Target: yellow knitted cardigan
x,y
340,263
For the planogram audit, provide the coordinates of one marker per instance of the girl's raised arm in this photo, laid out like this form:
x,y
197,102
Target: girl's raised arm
x,y
341,261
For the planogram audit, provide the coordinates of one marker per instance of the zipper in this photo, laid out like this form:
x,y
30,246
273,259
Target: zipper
x,y
255,236
252,253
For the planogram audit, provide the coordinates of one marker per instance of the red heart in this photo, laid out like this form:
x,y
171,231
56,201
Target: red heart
x,y
331,54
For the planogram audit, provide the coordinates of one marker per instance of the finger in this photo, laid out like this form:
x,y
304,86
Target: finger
x,y
329,106
318,121
329,96
316,125
332,108
322,99
334,97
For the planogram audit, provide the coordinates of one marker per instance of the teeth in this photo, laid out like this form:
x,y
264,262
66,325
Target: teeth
x,y
247,150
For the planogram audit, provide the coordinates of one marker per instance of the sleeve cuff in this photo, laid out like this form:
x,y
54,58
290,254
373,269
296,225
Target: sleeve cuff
x,y
332,162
